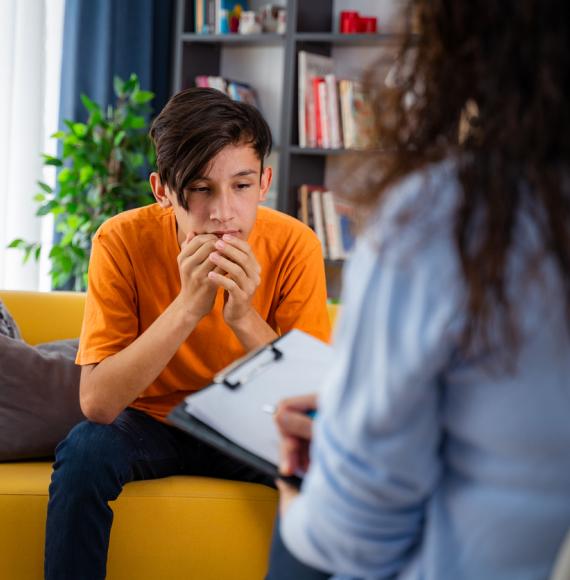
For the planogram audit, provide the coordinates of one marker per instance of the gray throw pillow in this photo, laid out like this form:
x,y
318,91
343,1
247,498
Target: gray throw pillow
x,y
39,397
7,325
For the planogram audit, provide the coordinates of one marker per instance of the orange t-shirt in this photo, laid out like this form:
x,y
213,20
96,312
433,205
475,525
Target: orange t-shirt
x,y
133,278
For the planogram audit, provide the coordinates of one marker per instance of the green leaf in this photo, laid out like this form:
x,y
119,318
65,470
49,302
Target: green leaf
x,y
55,252
118,86
132,84
49,207
91,107
79,129
137,159
17,243
40,197
73,222
118,138
134,122
58,135
65,175
37,253
66,264
85,174
142,97
45,187
49,160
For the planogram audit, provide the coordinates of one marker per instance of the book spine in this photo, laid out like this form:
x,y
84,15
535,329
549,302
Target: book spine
x,y
303,213
316,82
302,105
347,115
199,16
332,227
316,203
333,110
324,115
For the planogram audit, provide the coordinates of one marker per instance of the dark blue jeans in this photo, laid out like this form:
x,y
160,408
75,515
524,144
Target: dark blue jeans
x,y
91,467
284,566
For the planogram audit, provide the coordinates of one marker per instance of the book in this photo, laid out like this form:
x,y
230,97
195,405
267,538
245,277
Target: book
x,y
319,224
363,115
243,92
332,227
237,90
231,413
345,97
346,217
323,121
333,112
310,65
303,210
199,16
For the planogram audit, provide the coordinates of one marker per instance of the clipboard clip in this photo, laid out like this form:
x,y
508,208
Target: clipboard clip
x,y
249,366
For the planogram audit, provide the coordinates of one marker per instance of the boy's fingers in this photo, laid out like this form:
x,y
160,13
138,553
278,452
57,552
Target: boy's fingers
x,y
241,255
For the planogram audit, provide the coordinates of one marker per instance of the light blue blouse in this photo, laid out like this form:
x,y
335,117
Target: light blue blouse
x,y
427,464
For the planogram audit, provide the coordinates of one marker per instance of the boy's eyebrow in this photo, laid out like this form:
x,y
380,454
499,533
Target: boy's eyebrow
x,y
243,173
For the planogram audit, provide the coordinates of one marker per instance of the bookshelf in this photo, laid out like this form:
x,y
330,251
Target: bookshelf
x,y
269,62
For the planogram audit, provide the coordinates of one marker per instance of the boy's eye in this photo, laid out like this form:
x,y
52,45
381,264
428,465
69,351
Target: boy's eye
x,y
243,185
199,189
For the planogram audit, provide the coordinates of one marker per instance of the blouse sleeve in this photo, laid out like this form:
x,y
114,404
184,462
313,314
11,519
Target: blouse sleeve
x,y
374,457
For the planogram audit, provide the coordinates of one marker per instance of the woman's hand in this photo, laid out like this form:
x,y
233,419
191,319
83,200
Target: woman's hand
x,y
296,428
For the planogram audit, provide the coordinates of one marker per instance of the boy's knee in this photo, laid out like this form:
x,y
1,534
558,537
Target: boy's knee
x,y
90,451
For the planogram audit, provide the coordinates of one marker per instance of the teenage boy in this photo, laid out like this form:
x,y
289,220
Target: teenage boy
x,y
177,291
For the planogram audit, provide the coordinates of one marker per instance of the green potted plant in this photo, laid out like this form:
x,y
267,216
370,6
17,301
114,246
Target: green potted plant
x,y
102,170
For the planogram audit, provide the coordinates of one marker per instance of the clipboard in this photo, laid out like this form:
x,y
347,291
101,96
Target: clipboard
x,y
230,414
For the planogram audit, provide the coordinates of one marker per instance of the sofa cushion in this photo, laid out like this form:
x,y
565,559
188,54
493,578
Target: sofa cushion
x,y
7,325
39,397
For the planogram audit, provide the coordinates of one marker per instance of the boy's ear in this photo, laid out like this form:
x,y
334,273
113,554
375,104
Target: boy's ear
x,y
266,178
159,190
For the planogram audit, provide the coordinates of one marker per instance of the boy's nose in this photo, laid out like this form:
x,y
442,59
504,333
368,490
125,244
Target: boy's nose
x,y
221,209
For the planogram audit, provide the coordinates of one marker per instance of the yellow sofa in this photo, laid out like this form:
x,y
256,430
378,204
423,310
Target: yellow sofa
x,y
178,527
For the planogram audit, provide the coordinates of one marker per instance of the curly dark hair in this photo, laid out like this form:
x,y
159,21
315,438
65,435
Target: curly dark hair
x,y
502,69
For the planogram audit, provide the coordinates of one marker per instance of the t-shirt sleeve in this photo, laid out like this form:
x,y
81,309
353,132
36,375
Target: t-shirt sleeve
x,y
303,299
110,322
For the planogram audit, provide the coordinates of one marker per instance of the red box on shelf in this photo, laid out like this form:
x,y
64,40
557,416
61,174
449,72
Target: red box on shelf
x,y
367,24
349,22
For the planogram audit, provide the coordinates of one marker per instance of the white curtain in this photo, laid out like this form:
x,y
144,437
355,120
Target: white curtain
x,y
30,57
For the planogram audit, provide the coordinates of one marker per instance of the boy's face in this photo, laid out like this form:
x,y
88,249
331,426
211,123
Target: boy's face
x,y
223,201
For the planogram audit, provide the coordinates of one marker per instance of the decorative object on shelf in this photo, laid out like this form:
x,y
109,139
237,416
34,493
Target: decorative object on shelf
x,y
273,19
281,21
351,22
248,23
103,171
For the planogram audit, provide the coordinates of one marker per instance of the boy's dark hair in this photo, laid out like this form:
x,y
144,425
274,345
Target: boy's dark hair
x,y
194,126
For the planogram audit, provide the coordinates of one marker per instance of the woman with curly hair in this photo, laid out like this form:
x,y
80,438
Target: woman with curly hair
x,y
441,448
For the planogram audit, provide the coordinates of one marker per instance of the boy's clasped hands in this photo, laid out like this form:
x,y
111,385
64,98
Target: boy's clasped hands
x,y
207,262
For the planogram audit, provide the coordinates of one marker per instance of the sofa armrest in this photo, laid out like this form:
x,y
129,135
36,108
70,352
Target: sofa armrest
x,y
45,316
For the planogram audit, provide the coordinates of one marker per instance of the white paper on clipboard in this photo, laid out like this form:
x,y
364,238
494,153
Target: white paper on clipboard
x,y
293,365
